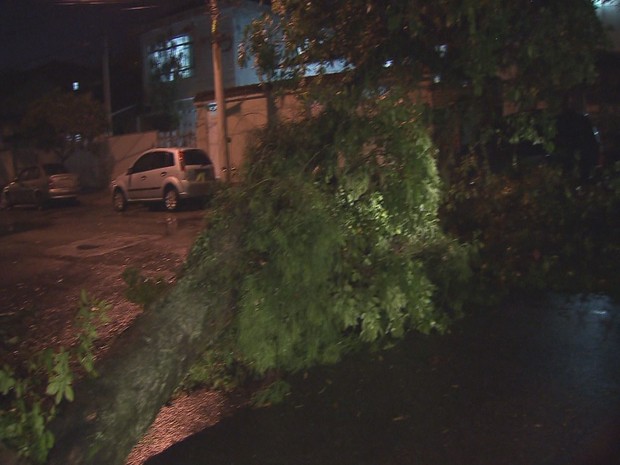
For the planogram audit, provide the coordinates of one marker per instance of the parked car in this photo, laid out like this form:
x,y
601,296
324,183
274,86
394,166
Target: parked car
x,y
40,184
167,175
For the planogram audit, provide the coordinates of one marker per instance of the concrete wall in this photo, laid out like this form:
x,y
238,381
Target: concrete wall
x,y
247,110
244,115
123,150
91,165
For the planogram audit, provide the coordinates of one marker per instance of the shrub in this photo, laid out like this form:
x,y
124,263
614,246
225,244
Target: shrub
x,y
536,228
31,393
327,242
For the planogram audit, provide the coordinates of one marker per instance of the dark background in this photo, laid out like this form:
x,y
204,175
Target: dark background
x,y
36,32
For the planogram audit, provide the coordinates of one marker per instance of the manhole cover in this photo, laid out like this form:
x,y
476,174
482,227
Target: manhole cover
x,y
99,245
88,246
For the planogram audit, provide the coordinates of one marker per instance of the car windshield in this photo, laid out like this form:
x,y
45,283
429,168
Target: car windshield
x,y
195,157
54,168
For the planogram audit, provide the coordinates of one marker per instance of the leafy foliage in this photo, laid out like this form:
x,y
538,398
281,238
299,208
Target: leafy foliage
x,y
329,227
63,121
467,41
143,290
333,239
274,393
472,59
218,368
31,394
537,229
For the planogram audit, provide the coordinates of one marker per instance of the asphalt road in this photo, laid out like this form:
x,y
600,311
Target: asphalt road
x,y
48,257
532,382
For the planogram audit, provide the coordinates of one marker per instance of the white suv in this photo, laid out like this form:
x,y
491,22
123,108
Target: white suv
x,y
165,174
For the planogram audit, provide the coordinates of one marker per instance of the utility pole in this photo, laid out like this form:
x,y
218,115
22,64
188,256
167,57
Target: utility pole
x,y
219,85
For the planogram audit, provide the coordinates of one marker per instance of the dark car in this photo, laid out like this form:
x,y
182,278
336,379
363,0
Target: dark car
x,y
40,184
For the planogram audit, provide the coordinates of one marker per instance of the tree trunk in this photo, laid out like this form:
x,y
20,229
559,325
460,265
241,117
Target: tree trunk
x,y
113,411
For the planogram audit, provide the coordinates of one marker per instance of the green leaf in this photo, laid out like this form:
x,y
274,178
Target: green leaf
x,y
69,394
7,382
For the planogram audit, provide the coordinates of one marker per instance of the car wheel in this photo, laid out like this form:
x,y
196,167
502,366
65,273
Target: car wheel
x,y
119,202
171,199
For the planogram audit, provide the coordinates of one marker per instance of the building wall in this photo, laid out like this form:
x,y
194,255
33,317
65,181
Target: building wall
x,y
240,21
93,166
249,112
123,150
245,114
197,24
609,14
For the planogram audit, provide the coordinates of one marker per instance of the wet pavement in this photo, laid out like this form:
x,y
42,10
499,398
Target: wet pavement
x,y
535,382
47,257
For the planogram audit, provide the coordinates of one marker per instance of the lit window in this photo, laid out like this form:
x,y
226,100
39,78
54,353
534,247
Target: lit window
x,y
75,85
172,59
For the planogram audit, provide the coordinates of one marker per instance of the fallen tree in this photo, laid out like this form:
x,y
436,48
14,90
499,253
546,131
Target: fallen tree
x,y
112,411
332,240
317,252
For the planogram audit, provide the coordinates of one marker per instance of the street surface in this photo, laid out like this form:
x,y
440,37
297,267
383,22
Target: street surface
x,y
529,382
47,257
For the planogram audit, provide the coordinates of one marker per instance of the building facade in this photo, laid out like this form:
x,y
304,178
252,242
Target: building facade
x,y
177,64
184,41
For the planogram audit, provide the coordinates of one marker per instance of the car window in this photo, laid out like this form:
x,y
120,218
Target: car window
x,y
157,160
145,162
54,168
168,159
195,157
162,159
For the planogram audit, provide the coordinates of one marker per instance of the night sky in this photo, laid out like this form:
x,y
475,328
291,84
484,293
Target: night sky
x,y
36,32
